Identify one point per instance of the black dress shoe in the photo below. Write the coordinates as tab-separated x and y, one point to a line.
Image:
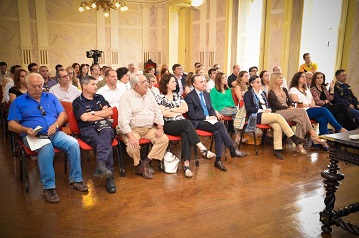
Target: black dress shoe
110	185
239	154
278	154
219	165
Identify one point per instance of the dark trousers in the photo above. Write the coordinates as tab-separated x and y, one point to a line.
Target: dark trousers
186	130
102	142
342	115
220	135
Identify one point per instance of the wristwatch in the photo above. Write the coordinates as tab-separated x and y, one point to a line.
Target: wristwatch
57	126
93	112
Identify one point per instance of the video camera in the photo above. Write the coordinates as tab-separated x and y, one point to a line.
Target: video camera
95	54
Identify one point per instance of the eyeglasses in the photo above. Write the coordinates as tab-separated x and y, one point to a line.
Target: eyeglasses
70	72
42	110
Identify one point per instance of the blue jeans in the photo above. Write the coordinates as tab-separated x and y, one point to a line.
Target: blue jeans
323	116
46	154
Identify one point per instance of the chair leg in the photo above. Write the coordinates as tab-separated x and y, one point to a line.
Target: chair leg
121	165
65	163
196	161
255	142
25	173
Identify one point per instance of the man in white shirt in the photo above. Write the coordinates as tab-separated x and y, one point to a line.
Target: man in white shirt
212	75
64	90
111	91
3	72
139	116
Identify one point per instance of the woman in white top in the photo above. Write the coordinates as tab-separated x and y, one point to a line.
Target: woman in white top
300	94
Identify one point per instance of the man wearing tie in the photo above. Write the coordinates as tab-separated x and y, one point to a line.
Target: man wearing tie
203	117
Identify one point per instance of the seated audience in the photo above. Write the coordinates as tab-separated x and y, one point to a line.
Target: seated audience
111	91
44	72
300	94
64	90
91	110
180	78
241	84
140	116
203	116
259	112
281	103
323	98
123	75
172	107
84	70
20	86
38	108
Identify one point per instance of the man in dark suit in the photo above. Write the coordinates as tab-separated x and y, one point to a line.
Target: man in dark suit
203	117
180	78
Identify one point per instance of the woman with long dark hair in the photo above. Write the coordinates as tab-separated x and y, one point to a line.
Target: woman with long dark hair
20	86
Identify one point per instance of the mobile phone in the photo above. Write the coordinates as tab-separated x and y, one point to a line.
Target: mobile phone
37	129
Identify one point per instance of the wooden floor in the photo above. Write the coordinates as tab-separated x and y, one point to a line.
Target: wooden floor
259	196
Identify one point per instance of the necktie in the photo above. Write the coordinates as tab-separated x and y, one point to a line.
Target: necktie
204	107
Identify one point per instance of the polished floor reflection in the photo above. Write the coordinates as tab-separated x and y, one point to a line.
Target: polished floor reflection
259	196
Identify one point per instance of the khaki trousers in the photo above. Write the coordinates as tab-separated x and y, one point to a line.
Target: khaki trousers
279	125
159	144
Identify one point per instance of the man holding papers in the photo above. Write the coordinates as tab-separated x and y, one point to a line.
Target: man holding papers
37	108
203	117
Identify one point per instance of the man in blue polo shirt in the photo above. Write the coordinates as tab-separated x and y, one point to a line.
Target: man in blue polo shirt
91	111
38	108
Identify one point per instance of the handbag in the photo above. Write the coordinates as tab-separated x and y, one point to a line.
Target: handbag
170	162
240	118
229	111
101	124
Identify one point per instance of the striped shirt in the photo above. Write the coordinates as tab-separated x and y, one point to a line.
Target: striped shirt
138	111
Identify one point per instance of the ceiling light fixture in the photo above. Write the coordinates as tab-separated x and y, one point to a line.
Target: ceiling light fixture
105	5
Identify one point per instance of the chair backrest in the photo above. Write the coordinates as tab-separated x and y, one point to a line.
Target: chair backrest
74	127
114	117
234	96
68	107
241	103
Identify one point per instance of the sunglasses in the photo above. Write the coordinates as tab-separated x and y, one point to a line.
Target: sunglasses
42	110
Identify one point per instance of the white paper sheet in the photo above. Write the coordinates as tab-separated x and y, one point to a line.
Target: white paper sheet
35	143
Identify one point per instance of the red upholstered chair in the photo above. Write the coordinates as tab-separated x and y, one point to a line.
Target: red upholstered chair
142	141
68	107
75	131
23	152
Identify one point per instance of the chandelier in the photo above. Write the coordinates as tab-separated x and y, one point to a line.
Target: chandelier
105	5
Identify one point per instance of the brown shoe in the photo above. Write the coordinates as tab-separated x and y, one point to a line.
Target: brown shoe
80	186
51	195
143	171
220	166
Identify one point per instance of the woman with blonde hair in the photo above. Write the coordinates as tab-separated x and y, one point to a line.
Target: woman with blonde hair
241	84
73	77
281	103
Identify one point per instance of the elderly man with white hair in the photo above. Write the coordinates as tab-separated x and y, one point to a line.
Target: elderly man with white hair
140	117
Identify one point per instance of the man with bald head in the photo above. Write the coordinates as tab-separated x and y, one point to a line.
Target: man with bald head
38	108
233	77
140	116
